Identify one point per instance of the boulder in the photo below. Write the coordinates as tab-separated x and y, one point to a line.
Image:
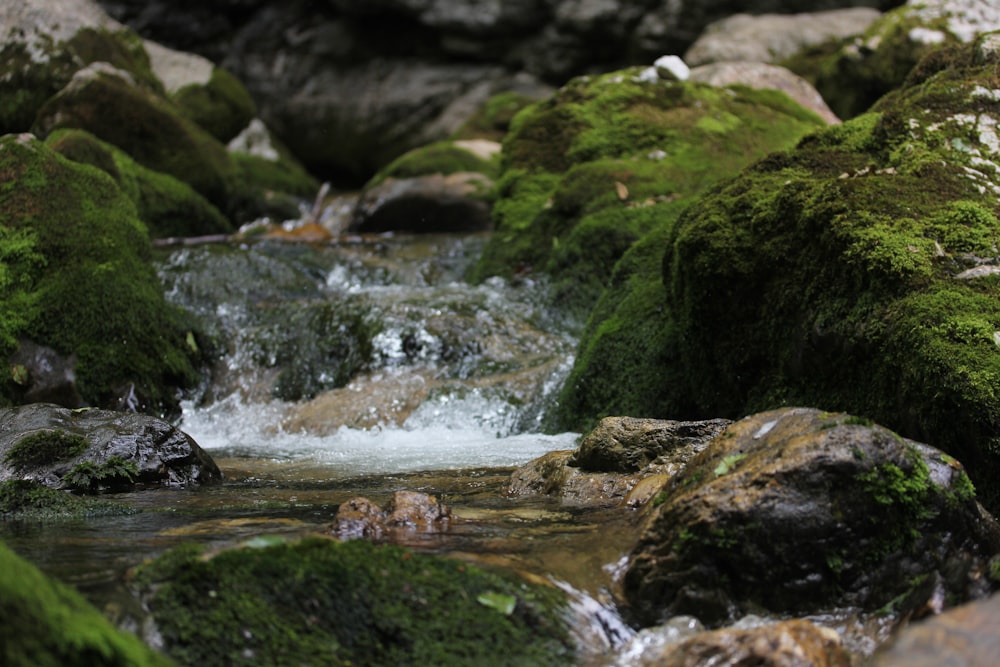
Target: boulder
799	511
609	158
80	283
771	38
425	204
347	603
406	512
834	274
92	450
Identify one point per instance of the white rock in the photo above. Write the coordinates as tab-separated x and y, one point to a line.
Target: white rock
671	68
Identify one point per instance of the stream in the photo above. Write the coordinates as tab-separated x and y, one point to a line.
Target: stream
358	368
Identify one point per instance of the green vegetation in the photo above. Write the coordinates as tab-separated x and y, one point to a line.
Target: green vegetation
48	624
84	284
222	106
25	499
115	474
318	601
46	447
493	120
443	157
169	207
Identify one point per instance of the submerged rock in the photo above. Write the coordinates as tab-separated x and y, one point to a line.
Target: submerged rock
348	603
98	450
406	511
797	511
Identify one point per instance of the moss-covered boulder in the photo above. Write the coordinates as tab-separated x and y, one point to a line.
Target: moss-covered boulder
854	74
42	44
48	624
75	275
799	511
168	206
856	272
208	95
317	601
608	158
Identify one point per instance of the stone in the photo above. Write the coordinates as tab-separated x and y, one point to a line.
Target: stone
771	38
406	513
763	76
92	450
425	204
798	511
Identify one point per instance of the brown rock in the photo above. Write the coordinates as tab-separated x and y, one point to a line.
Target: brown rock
793	643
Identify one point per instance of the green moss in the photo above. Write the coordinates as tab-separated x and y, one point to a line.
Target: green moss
318	601
222	106
45	447
169	207
443	157
115	474
586	173
25	499
48	624
96	295
493	120
20	261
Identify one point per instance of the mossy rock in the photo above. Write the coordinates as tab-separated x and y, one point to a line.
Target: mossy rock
798	511
22	499
589	171
492	121
442	157
853	273
106	103
317	601
169	207
34	66
49	624
75	275
853	75
221	106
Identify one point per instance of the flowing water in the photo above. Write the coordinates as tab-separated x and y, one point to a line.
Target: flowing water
359	368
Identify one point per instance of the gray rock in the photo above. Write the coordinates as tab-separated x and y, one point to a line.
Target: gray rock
96	450
425	204
769	38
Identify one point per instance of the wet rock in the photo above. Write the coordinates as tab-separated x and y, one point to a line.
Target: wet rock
964	637
44	376
770	38
798	510
98	450
763	77
613	459
406	512
795	643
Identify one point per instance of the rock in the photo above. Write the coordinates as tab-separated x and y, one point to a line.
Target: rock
49	623
795	643
964	636
868	311
614	459
672	68
101	302
611	157
93	450
425	204
44	375
864	69
771	38
406	512
348	603
208	95
763	77
800	511
168	206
